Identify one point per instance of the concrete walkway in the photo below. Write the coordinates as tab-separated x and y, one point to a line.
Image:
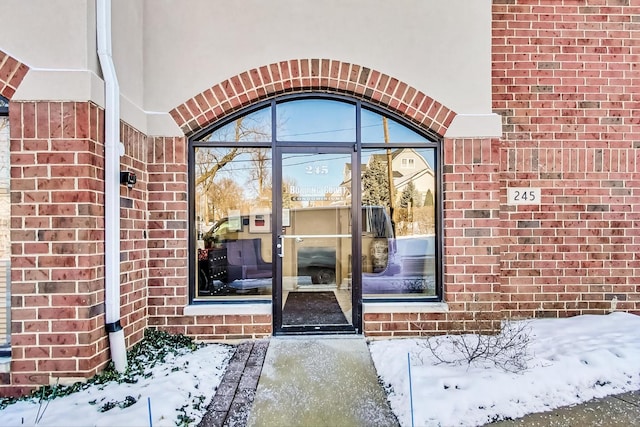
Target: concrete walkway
621	410
331	381
319	381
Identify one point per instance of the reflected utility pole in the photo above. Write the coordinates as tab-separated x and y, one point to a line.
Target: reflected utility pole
392	202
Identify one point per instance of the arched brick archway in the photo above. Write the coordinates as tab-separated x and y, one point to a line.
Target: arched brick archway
300	75
472	160
11	74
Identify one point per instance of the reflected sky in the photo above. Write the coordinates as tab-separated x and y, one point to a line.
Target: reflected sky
314	120
373	129
253	127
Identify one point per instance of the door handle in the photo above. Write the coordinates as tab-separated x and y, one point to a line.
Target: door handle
280	246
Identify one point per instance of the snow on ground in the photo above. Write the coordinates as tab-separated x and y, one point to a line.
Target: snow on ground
569	361
174	388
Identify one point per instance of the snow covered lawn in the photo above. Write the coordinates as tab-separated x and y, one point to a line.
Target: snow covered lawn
177	391
569	361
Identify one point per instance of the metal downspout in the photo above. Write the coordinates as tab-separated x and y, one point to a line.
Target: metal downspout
111	187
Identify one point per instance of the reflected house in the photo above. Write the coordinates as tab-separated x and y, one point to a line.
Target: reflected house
408	166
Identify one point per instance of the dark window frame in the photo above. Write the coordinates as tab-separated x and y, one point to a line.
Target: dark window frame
435	141
5	349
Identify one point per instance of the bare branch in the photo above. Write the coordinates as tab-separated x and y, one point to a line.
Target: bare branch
507	350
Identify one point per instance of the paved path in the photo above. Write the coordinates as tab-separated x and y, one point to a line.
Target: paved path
621	410
319	381
232	401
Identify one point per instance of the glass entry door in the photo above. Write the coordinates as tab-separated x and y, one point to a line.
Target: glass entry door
314	242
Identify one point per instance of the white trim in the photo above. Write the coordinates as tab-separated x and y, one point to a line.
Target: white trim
61	85
84	85
475	126
368	307
405	307
162	124
5	364
213	309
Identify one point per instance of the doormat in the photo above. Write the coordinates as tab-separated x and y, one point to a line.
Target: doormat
312	308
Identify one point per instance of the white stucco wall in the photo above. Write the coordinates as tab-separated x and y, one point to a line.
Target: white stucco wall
167	51
441	47
47	34
128	57
56	39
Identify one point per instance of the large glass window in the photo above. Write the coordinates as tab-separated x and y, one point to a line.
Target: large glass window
400	240
232	177
232	198
5	219
233	214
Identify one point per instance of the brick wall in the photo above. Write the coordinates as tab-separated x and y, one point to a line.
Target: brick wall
472	231
11	74
57	273
167	239
565	79
57	242
133	234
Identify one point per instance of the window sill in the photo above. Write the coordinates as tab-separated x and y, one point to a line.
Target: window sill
5	364
225	309
405	307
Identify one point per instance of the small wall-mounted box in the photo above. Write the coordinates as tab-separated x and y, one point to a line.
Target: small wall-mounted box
128	178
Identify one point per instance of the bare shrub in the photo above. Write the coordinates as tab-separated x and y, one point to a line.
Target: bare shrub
507	350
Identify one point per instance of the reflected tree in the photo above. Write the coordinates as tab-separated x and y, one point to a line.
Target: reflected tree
428	198
375	185
410	197
251	131
261	172
224	194
408	205
210	161
287	195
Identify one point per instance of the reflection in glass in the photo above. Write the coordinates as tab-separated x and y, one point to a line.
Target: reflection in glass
233	218
316	120
233	207
373	129
316	240
253	127
398	239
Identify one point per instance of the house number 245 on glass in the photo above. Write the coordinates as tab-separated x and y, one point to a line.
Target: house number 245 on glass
317	169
